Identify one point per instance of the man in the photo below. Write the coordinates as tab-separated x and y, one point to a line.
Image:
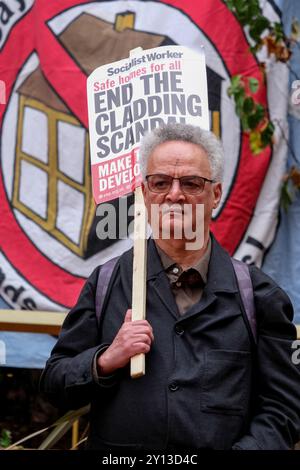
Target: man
207	384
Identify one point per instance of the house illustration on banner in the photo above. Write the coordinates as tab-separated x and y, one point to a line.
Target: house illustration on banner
52	148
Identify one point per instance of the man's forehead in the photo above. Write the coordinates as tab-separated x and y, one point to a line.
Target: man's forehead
178	153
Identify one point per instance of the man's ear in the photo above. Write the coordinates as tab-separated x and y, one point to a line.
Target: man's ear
217	188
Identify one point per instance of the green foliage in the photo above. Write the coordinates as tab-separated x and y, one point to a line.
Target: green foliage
5	438
286	197
252	114
58	429
253	84
248	13
62	425
256	116
267	133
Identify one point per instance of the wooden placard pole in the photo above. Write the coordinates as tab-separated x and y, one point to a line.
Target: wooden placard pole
137	363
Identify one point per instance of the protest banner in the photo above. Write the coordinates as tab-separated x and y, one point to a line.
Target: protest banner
45	189
126	99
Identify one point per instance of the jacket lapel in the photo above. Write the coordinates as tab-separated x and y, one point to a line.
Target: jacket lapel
220	279
156	278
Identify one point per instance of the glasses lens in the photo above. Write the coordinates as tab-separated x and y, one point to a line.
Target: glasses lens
159	183
192	184
163	183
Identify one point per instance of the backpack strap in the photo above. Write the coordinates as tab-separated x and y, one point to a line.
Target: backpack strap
105	274
246	291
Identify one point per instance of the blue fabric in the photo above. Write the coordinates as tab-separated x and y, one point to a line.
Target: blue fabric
283	260
280	3
32	351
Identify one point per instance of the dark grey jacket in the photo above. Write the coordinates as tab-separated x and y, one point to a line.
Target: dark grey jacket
207	386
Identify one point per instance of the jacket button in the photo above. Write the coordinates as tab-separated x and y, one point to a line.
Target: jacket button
179	330
173	387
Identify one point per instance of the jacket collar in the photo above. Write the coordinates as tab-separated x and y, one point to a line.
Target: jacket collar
154	264
221	276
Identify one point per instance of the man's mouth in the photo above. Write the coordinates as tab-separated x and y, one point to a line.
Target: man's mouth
173	209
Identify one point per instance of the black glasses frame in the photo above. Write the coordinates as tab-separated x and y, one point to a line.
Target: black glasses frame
180	180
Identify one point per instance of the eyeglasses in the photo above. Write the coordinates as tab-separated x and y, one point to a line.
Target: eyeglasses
162	184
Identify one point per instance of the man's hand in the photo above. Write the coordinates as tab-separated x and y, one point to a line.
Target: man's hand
134	337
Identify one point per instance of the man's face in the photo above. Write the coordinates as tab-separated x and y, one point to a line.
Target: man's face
177	159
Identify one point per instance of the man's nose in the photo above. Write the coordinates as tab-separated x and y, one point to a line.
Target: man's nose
175	193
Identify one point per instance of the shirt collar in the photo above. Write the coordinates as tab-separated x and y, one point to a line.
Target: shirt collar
201	266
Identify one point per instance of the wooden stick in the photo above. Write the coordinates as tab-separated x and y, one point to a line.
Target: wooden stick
137	363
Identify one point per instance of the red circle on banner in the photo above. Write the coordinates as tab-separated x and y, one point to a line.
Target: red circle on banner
231	224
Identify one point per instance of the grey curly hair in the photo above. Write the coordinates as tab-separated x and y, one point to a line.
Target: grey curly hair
187	133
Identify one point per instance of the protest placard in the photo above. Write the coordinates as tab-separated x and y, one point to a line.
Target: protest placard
129	97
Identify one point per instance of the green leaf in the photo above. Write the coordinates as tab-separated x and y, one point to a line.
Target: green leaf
248	105
245	123
254	49
5	438
230	4
59	431
253	84
236	89
255	118
258	27
62	425
244	16
239	5
286	198
278	31
267	133
255	142
260	109
26	438
254	8
235	80
73	415
239	102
